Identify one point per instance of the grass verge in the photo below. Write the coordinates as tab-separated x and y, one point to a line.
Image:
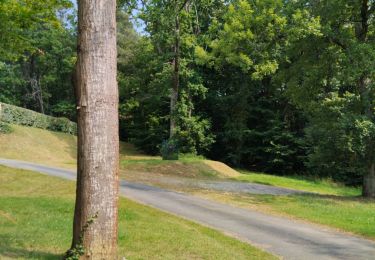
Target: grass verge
36	219
350	214
299	183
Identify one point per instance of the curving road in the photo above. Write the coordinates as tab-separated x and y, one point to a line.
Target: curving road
284	237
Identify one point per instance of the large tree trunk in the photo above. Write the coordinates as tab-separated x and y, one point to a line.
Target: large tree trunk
98	140
369	182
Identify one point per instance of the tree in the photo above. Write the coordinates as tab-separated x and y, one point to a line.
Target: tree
19	16
149	77
331	77
96	209
36	54
255	124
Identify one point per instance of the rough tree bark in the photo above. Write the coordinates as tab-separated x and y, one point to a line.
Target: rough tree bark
98	140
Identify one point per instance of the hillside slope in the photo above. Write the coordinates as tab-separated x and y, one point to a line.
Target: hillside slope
59	149
38	145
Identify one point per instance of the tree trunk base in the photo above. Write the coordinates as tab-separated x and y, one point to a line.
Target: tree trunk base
369	183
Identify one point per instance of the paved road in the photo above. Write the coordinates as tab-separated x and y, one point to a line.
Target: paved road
286	238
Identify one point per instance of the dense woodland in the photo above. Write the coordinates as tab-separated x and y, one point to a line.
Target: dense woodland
285	87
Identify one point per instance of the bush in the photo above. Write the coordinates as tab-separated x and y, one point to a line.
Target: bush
5	128
21	116
169	150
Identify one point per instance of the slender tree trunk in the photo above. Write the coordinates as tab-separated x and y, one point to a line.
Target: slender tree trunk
36	88
98	140
40	95
176	72
368	189
369	182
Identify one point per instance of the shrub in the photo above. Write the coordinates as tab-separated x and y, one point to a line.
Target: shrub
169	150
21	116
5	128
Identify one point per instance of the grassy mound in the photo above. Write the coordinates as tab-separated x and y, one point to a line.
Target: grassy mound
59	149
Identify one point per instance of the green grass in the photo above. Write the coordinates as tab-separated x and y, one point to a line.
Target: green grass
350	214
36	222
300	183
334	205
40	146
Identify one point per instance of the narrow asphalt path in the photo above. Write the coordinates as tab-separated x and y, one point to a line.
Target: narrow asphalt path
284	237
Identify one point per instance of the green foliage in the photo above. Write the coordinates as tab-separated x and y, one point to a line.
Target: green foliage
147	80
255	34
5	128
255	127
38	76
64	109
254	123
19	16
20	116
341	140
331	79
169	150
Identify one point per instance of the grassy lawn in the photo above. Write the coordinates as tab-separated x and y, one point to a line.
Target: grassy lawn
36	219
350	214
299	183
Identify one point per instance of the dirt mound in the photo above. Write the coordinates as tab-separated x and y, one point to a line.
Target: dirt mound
222	168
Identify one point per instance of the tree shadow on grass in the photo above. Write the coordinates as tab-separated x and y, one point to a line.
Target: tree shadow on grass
8	251
71	143
17	253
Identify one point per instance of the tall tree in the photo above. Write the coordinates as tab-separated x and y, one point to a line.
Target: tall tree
33	34
254	123
331	76
96	210
19	16
165	57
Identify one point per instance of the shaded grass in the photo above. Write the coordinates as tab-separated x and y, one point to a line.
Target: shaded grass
36	214
300	183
